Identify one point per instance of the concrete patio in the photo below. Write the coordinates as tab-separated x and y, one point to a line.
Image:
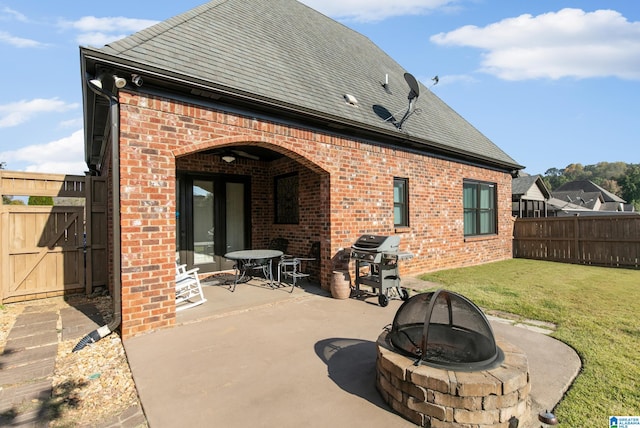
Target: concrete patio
269	358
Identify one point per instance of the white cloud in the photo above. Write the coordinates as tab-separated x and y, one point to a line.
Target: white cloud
64	156
72	168
14	114
98	39
72	123
375	10
100	31
10	14
567	43
18	42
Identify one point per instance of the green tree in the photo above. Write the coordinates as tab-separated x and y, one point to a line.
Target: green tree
575	171
630	185
6	200
40	200
607	170
611	185
554	178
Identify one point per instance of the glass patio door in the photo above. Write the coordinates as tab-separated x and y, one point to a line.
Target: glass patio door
235	217
211	220
203	199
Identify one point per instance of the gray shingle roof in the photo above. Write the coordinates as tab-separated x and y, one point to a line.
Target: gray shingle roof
285	53
520	185
588	186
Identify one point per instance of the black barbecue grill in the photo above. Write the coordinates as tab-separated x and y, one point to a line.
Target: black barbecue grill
376	258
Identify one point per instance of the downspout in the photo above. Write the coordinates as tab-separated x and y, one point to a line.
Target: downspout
114	113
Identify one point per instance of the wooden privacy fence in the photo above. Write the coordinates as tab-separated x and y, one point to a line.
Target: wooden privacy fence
595	240
52	250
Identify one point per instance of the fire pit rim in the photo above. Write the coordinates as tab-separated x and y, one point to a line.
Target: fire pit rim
495	354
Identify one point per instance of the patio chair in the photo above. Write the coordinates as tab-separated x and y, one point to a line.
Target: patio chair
281	244
290	267
188	288
294	267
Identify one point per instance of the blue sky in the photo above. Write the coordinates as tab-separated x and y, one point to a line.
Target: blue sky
551	82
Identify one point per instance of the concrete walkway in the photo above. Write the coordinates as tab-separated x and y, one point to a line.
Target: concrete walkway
301	359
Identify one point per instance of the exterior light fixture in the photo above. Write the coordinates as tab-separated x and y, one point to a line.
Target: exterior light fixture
120	82
228	158
97	82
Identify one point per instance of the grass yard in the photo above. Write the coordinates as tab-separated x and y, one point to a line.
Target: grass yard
597	312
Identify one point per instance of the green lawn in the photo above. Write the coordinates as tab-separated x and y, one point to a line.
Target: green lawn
597	312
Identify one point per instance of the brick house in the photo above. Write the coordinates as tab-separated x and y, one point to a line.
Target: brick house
239	122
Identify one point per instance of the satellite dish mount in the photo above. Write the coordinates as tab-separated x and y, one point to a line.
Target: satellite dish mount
414	92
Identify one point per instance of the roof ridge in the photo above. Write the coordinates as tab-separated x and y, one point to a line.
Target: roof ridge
149	33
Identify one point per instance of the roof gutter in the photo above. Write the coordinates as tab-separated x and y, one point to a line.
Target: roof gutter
114	115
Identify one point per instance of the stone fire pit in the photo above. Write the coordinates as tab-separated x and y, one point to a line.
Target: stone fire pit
437	397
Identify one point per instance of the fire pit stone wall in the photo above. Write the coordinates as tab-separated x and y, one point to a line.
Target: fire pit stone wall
434	397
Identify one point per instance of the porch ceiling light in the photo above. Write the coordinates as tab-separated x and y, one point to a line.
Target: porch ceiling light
228	158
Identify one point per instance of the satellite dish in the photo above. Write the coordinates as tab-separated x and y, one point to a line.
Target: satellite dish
384	114
413	85
414	92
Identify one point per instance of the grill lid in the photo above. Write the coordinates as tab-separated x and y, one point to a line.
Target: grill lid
445	330
378	243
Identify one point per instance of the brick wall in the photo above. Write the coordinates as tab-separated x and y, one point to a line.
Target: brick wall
346	191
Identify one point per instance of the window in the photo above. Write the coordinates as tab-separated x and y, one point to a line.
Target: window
286	199
479	201
400	202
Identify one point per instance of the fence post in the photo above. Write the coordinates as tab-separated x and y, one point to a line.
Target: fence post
88	218
576	237
4	250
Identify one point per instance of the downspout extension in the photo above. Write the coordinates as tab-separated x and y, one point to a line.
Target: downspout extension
114	113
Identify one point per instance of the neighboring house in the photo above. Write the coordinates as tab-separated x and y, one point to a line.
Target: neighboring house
530	196
585	197
238	122
562	207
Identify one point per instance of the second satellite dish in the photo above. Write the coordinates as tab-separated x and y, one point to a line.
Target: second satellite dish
413	85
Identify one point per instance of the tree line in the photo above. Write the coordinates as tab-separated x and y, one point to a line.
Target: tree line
619	178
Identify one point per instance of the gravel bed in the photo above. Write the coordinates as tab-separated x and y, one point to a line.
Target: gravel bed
91	386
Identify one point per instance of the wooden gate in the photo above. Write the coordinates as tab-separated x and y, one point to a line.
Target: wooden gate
46	251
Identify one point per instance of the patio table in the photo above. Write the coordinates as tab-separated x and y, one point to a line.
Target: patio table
249	260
